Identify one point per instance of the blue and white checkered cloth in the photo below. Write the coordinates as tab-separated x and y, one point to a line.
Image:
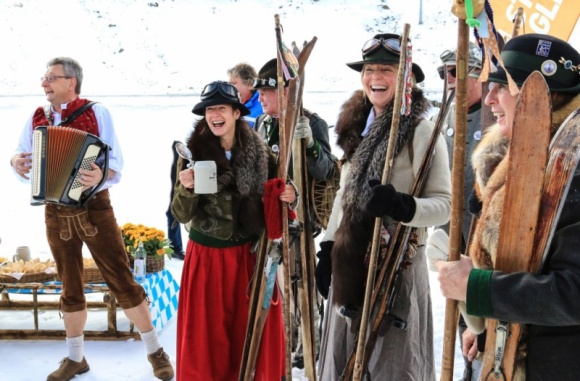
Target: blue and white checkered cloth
163	293
161	287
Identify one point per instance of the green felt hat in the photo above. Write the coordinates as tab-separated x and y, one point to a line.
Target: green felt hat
557	60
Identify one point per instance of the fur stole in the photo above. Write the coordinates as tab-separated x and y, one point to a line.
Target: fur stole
490	162
244	175
367	157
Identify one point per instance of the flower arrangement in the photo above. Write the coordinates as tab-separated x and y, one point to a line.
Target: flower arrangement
154	241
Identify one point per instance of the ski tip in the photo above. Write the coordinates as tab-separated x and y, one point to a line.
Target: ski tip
536	81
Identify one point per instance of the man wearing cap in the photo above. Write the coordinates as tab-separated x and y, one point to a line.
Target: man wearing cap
545	303
314	131
447	72
310	127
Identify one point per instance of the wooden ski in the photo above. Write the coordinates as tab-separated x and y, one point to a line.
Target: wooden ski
306	250
289	112
564	158
305	273
527	159
258	306
256	314
518	22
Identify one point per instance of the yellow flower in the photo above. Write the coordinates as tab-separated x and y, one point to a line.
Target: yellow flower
154	241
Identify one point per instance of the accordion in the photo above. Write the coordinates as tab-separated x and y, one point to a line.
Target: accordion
58	153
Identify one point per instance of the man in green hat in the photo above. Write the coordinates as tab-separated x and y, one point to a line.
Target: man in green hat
551	346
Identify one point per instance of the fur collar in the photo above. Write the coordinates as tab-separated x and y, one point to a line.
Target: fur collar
247	171
367	157
351	122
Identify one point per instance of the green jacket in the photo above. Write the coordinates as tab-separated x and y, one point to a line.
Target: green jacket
235	214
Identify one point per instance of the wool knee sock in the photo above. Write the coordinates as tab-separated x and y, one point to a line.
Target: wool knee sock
151	341
75	347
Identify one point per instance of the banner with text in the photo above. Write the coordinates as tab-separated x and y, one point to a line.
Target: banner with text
554	17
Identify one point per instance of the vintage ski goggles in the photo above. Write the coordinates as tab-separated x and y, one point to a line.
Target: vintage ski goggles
391	44
226	89
264	82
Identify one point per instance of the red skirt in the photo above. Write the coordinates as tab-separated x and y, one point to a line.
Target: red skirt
213	313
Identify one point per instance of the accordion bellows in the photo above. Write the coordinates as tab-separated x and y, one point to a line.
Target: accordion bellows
58	153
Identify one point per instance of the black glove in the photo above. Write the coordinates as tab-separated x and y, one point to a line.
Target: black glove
385	200
323	272
473	204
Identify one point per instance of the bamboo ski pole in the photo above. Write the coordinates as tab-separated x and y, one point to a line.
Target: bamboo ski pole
361	342
457	184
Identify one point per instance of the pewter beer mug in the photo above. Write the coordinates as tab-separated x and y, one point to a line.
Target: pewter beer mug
205	177
22	253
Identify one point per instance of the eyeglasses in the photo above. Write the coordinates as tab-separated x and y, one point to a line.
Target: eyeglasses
452	72
264	82
224	88
52	78
392	44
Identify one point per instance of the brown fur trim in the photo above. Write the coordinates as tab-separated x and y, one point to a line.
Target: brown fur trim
351	122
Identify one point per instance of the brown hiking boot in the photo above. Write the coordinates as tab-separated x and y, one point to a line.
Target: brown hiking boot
68	369
162	368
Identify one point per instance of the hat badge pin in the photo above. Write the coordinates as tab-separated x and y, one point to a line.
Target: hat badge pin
549	68
543	48
568	65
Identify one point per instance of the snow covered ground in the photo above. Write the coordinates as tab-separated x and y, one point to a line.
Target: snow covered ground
147	62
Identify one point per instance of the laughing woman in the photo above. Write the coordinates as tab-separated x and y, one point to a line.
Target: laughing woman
213	300
363	129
